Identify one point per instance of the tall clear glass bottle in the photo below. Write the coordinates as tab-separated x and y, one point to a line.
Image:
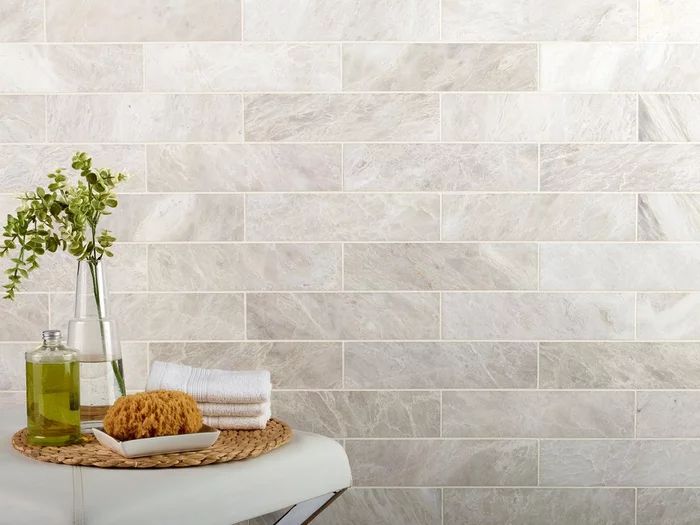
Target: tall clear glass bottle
53	392
94	335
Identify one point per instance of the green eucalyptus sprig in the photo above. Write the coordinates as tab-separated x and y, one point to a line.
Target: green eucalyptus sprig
63	215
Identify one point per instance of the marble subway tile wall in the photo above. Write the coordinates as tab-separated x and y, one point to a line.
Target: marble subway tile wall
462	234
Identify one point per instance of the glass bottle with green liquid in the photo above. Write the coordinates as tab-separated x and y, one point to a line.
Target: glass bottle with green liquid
53	392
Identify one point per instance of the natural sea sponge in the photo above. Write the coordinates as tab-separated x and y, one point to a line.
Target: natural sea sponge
151	414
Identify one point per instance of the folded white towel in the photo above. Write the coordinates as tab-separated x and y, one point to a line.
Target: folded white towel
234	409
240	423
211	385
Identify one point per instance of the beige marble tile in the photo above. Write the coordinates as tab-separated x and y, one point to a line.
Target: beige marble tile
433	266
242	67
178	217
107	21
26	166
579	66
24	318
439	67
135	359
22	118
669	20
360	414
440	167
441	365
342	217
535	506
405	506
620	167
668	315
539	20
144	118
22	21
341	20
669	217
619	365
244	167
619	463
342	117
12	399
39	68
541	117
291	365
12	373
537	414
219	267
667	506
342	315
533	316
669	118
668	414
648	266
538	217
434	462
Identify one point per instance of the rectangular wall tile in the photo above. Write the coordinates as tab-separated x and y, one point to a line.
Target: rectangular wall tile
618	266
22	21
242	67
144	118
26	166
535	316
341	20
440	167
342	316
669	217
24	318
22	118
12	375
669	20
39	68
218	267
537	414
244	167
291	365
178	217
534	506
669	118
433	462
538	217
577	66
347	217
668	315
619	365
439	67
620	167
441	365
539	117
615	463
104	20
342	117
539	20
361	414
428	266
667	506
668	414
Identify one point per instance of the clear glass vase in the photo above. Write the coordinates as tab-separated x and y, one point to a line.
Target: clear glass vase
94	335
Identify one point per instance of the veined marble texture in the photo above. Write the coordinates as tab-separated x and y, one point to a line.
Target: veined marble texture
668	315
39	68
439	67
541	117
669	217
440	167
24	318
668	414
669	20
22	20
620	167
349	117
242	67
538	20
669	118
22	118
668	506
144	118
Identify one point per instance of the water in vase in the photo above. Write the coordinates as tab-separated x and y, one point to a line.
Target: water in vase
98	388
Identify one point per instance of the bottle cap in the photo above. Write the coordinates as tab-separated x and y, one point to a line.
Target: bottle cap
51	335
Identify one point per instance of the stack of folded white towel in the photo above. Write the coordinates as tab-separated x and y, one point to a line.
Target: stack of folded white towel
227	399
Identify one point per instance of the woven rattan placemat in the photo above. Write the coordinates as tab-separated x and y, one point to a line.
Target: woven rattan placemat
232	445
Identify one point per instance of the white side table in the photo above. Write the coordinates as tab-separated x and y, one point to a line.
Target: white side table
309	472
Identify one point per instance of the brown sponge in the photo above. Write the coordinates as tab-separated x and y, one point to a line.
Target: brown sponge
151	414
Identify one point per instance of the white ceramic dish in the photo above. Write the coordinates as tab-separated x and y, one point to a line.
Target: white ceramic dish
136	448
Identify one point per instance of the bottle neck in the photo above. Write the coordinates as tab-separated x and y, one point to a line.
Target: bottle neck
90	291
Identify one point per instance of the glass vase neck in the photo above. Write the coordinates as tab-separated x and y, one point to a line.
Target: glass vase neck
91	291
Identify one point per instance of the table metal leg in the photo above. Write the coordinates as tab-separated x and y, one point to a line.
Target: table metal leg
306	511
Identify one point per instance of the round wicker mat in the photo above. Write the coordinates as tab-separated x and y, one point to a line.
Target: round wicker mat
232	445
